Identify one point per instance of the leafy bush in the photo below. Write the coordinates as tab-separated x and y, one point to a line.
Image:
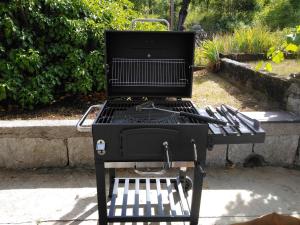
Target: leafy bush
49	48
278	14
221	16
226	16
291	44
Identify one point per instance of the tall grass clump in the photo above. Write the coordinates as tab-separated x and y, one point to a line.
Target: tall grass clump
208	55
257	39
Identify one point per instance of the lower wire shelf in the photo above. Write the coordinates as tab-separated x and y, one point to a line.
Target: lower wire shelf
148	200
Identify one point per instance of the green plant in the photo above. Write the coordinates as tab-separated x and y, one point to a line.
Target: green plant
50	48
209	54
291	44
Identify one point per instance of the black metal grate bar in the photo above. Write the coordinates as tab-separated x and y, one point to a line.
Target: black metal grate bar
185	206
125	197
136	198
148	219
148	201
159	198
171	199
113	198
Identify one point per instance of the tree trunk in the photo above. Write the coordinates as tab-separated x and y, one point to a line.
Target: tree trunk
182	14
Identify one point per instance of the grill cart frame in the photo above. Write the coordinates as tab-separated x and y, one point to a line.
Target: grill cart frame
156	66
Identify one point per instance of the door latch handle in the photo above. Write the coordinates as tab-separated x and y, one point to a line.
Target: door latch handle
168	163
195	150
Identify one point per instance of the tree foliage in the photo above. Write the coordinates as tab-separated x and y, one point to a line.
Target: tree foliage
227	15
53	47
278	14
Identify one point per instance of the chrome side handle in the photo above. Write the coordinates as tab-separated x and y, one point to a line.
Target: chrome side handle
80	126
166	165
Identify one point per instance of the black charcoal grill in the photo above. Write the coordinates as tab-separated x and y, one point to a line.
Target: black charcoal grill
146	123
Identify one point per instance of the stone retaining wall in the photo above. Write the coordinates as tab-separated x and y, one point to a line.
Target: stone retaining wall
246	57
56	143
283	90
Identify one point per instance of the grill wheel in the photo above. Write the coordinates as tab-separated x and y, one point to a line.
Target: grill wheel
187	183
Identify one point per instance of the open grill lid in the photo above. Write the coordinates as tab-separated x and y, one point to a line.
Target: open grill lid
149	63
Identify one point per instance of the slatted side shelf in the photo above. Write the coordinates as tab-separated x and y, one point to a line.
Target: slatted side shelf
148	200
233	135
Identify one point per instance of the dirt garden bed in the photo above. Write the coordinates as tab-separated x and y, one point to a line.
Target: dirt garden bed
280	88
284	69
208	89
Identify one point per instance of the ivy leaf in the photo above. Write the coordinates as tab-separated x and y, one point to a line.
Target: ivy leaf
291	48
259	65
278	57
268	67
270	51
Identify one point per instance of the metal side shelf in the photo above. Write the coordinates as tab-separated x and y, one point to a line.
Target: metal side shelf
148	200
243	134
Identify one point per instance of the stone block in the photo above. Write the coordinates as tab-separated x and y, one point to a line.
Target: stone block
216	157
32	153
238	153
41	129
81	151
293	104
279	150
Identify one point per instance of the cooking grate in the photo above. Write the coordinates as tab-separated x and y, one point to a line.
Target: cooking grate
148	72
124	112
148	116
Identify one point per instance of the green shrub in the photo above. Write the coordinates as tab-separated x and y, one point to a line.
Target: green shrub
221	16
278	14
49	48
291	44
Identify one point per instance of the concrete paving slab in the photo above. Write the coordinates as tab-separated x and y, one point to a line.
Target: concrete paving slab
68	196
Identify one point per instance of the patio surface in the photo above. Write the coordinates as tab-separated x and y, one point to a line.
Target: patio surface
68	196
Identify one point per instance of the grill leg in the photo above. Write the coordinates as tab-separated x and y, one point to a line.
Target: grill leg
197	191
112	175
101	193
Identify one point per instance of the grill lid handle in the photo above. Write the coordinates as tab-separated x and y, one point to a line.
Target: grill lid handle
150	20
